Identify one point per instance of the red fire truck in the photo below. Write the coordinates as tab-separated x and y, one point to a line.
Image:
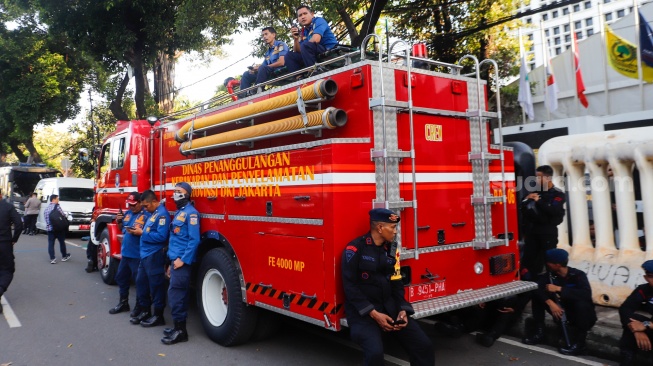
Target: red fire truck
285	178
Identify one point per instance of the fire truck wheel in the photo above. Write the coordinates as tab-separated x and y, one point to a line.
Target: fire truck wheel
108	267
226	318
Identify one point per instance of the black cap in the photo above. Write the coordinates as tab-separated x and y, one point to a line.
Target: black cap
648	266
384	215
557	256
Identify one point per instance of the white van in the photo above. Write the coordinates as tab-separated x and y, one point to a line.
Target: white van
75	199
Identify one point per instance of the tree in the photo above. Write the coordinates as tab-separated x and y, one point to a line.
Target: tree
139	35
40	81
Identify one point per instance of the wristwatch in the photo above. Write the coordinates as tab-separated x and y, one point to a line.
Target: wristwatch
647	324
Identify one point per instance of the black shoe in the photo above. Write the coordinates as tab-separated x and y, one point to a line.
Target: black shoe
145	314
137	310
168	331
485	339
178	334
123	305
536	338
156	319
451	330
576	349
89	266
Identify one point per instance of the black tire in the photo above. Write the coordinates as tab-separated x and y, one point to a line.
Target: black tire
108	273
225	322
267	325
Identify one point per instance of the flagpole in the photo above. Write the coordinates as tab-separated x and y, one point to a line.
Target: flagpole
544	64
640	70
521	57
573	63
605	59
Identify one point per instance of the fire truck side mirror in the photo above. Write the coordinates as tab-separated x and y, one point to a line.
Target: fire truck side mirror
152	120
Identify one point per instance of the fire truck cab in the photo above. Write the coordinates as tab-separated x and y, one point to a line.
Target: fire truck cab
284	179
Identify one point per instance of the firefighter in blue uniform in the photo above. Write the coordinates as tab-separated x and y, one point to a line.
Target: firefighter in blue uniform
638	328
130	251
374	294
184	239
150	281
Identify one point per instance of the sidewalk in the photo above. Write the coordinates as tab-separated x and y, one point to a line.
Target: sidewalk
603	340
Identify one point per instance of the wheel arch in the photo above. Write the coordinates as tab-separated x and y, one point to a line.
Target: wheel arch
213	239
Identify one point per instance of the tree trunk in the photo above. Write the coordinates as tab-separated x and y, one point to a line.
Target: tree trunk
139	80
371	18
116	104
15	148
349	24
36	157
164	82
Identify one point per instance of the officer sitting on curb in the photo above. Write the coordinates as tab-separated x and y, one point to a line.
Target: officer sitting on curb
562	291
638	330
374	294
274	58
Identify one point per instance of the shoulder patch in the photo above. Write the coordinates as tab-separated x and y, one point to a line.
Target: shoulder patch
162	221
349	254
368	241
193	219
181	216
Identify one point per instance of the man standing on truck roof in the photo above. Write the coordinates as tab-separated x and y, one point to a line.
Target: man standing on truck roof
313	38
150	280
182	250
130	251
374	300
8	217
274	59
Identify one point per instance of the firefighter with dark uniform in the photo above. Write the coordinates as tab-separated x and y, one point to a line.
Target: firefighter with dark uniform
374	294
8	217
150	280
543	211
184	239
638	328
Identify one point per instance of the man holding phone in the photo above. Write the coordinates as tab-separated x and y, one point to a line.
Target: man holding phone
313	38
374	294
274	58
130	251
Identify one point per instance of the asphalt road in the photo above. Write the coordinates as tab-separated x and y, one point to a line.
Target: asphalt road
58	315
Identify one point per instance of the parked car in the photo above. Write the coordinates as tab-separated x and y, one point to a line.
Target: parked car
75	198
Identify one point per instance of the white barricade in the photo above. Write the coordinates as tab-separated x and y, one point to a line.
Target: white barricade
613	270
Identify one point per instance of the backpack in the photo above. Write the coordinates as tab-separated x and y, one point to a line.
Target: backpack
58	221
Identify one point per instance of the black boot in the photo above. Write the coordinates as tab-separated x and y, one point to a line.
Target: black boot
123	305
145	314
168	331
89	266
577	348
179	334
537	337
486	339
137	310
154	320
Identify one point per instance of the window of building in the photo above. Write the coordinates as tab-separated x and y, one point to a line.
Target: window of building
588	4
567	47
558	50
532	66
546	32
566	28
590	32
530	37
556	40
608	17
567	38
529	21
531	48
545	17
621	13
606	1
565	11
579	35
588	22
577	24
556	30
554	14
576	8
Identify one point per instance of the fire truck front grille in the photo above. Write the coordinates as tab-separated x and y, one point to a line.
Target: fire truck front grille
502	264
80	218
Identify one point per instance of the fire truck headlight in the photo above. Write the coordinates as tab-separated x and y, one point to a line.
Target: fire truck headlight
478	268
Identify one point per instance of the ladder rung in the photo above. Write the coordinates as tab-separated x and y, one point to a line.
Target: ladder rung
484	114
389	205
487	200
390	154
380	102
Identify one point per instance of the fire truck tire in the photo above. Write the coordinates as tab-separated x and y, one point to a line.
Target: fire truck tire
267	325
108	273
225	322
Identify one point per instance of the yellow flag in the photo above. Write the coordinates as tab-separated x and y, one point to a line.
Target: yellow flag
622	56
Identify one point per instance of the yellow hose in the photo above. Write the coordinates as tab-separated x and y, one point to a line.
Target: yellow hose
320	89
330	118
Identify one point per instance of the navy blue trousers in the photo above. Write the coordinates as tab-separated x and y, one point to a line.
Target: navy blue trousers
127	271
307	57
367	333
58	235
178	292
150	281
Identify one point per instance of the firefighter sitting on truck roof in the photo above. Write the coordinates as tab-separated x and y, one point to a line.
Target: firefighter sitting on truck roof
184	239
274	58
315	37
374	298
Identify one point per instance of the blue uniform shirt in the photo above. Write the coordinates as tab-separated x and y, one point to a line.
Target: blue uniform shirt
278	49
155	233
321	27
185	236
131	243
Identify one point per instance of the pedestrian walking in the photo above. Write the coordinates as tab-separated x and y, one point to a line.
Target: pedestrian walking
8	217
56	225
32	208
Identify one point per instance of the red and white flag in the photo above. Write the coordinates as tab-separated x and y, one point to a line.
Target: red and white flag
580	85
551	99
